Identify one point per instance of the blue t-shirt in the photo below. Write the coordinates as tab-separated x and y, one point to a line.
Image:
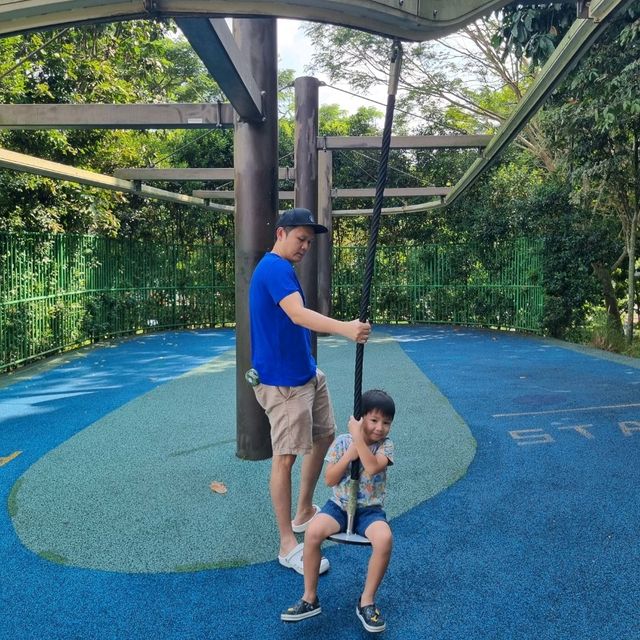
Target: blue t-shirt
280	349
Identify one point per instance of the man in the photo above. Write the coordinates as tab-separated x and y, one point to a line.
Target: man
291	389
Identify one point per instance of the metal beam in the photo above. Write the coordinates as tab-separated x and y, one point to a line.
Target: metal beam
406	19
214	43
600	9
305	159
255	158
116	116
325	240
21	162
339	193
194	174
412	208
391	193
403	142
576	42
210	194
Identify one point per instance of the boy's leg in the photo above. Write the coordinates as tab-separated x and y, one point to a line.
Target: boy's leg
381	538
320	528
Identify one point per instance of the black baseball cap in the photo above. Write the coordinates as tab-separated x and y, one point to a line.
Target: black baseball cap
300	217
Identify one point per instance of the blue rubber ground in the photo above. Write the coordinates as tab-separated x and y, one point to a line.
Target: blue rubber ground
537	540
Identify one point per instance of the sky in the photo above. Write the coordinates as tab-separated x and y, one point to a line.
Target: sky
294	52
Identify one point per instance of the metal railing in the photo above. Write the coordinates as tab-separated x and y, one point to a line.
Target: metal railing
495	286
59	291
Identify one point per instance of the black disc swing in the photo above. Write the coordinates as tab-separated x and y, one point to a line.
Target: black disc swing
349	537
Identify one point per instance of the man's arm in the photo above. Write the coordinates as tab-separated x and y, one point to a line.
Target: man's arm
293	306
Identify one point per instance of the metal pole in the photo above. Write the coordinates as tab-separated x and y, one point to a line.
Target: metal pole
256	186
306	184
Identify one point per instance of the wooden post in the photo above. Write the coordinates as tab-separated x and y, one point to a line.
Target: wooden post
325	244
256	186
306	184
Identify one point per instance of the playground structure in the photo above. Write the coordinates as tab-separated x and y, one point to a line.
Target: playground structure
244	63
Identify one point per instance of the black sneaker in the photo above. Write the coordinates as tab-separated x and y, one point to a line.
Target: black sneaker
371	618
301	610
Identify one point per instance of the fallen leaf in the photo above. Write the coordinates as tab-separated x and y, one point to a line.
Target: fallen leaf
218	487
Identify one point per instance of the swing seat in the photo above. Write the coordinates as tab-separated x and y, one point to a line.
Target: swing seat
349	538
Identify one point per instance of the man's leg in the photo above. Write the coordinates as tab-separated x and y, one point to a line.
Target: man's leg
311	468
280	486
323	431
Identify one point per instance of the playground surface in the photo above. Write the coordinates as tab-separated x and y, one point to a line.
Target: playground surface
513	500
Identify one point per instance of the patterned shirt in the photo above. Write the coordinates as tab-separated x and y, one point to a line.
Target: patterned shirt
372	489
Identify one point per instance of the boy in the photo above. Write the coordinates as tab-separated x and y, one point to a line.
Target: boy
367	440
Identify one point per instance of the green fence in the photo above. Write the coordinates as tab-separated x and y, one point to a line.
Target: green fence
58	291
489	286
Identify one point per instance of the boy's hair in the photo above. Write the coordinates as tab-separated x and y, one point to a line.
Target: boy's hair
380	400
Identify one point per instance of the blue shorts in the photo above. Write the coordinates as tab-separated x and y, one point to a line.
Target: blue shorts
363	518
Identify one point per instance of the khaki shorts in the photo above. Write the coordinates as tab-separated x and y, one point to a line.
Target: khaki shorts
299	416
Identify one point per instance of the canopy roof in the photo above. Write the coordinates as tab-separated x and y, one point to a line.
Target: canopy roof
406	19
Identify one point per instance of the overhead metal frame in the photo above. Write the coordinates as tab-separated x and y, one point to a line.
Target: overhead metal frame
190	175
213	41
343	143
409	208
416	20
408	192
22	15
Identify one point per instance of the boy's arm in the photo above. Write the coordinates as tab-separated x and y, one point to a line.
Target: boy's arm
336	470
294	307
372	463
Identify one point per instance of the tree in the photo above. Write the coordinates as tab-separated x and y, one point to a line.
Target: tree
459	84
596	122
533	32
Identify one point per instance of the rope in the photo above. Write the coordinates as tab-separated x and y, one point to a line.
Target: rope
394	75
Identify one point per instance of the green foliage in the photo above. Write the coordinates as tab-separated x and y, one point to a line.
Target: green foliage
572	242
448	88
600	332
533	32
123	62
595	123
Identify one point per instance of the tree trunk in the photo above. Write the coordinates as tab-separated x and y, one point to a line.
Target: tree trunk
632	281
604	277
633	234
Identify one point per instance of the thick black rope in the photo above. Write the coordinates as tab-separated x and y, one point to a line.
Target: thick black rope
396	63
